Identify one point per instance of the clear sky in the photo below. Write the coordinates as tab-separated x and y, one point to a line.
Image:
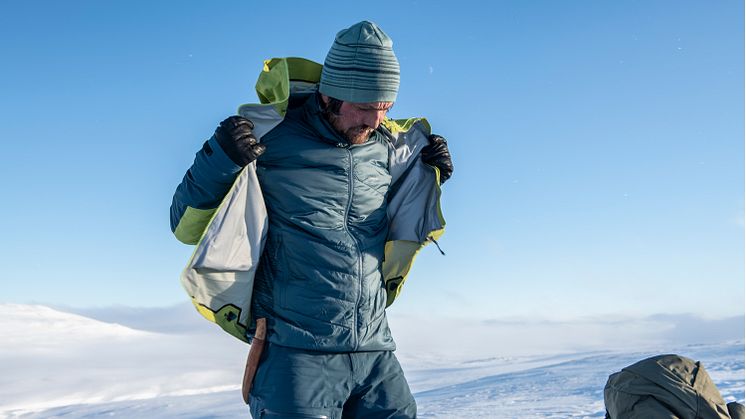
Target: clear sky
598	145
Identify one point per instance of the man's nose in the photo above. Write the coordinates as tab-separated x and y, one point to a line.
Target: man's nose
374	118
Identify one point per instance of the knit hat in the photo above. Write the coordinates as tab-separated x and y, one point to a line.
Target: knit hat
361	66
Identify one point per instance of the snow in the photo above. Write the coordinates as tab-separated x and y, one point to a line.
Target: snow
169	362
51	358
568	386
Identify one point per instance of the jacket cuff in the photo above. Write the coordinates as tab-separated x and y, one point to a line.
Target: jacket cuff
218	161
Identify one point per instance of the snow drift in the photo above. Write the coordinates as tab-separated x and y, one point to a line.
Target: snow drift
168	362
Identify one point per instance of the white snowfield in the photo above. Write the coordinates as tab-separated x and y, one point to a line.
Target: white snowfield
163	363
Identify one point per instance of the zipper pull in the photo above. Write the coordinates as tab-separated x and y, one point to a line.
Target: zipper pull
437	245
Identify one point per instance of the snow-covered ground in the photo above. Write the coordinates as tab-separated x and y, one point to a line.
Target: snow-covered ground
168	362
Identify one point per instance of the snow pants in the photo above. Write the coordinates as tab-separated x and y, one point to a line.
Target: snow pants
294	383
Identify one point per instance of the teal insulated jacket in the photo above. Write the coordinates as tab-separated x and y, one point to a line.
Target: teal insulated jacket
317	235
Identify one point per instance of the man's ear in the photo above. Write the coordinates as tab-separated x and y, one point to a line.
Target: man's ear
325	99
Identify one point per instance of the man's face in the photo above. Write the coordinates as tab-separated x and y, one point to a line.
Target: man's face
356	121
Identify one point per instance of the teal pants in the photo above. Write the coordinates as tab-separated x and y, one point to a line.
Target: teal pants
294	383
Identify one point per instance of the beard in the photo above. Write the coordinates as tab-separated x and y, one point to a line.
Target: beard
355	135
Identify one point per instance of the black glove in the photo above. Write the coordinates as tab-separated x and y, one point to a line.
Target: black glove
236	139
437	154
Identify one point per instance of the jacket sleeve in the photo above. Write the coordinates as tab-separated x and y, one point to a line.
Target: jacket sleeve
201	191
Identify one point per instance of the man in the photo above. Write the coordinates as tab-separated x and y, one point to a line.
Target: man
338	188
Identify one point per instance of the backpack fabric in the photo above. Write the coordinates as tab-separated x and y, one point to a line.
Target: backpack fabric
664	386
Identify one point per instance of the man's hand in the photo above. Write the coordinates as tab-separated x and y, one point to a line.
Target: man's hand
437	154
236	139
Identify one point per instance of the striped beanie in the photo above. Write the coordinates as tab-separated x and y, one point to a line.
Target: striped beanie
361	66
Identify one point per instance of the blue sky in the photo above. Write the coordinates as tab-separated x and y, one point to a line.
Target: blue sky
598	145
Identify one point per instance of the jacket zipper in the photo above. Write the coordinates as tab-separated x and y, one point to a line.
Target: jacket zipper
350	177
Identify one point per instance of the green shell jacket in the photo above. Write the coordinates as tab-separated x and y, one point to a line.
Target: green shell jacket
666	387
317	235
